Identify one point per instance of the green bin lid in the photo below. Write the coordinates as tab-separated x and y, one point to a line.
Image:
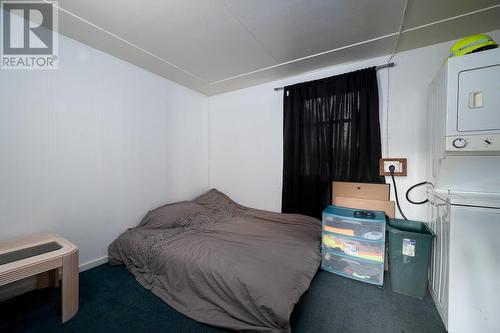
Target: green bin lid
409	227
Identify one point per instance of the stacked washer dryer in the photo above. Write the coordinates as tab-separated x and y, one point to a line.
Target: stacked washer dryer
463	167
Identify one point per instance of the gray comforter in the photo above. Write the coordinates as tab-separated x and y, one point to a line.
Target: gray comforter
221	263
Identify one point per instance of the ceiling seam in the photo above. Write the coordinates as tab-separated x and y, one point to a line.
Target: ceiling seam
451	18
306	57
127	42
355	44
248	31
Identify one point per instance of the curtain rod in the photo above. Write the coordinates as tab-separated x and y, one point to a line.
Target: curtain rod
390	64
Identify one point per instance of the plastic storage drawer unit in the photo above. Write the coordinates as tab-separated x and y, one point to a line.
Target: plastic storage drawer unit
362	249
354	243
354	222
353	268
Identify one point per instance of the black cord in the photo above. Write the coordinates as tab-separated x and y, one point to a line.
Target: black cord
391	169
410	189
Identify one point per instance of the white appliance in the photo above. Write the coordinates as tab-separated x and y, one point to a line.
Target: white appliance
465	99
463	165
465	268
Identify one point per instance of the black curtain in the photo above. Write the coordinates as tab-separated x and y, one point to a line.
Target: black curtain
331	133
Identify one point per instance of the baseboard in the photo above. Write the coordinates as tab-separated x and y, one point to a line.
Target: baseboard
93	263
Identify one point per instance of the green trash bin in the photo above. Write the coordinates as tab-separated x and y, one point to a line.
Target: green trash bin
410	245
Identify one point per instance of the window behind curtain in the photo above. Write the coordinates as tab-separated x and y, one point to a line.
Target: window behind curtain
331	133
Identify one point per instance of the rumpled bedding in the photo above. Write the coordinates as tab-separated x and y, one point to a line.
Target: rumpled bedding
221	263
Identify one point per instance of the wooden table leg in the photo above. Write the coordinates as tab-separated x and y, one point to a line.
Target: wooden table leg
54	278
69	286
48	279
43	280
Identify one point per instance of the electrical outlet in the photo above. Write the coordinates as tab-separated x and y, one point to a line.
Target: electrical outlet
399	164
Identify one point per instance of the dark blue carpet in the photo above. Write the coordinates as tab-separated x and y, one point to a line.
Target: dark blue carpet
112	301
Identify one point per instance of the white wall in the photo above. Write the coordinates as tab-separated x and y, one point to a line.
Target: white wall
246	128
87	149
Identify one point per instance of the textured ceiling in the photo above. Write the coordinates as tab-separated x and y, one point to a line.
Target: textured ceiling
214	46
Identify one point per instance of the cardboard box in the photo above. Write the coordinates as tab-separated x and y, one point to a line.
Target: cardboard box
386	206
361	190
363	196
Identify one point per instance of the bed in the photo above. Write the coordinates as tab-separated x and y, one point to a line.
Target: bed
221	263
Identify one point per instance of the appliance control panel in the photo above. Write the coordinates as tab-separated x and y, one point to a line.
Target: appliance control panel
488	143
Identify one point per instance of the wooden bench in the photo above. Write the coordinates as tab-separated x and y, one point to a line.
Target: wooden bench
37	254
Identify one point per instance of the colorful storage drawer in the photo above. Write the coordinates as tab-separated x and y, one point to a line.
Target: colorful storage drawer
353	268
354	222
354	243
369	250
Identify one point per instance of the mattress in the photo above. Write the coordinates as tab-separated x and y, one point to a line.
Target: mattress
221	263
